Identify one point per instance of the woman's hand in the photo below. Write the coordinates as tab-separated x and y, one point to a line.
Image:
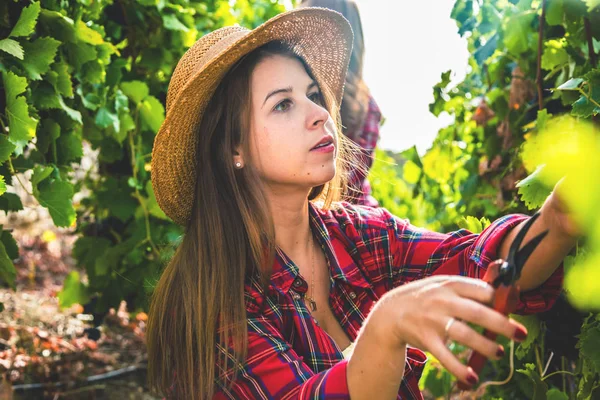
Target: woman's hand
557	214
417	314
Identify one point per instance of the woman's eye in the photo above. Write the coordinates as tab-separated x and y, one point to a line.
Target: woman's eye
316	98
283	106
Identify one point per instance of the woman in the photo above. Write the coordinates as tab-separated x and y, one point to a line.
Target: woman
359	112
274	277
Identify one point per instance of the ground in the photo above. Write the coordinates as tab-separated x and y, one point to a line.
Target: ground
50	353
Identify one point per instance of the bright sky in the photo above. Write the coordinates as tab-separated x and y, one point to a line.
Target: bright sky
409	43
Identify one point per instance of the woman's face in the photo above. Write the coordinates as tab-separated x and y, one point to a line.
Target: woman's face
293	140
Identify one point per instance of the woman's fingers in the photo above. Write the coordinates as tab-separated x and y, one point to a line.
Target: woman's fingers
451	363
488	318
462	333
474	289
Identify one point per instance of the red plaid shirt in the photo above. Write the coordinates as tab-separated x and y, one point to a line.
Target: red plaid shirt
369	252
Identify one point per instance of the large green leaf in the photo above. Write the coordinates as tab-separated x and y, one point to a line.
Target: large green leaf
21	125
533	190
516	32
27	21
135	90
6	148
87	34
12	47
39	55
10	202
10	244
54	194
152	113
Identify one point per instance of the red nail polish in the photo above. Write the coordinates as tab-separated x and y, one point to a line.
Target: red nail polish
472	378
520	334
500	352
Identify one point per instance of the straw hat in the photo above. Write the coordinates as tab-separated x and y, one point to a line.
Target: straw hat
322	37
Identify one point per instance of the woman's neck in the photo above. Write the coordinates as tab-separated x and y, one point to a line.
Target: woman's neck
291	223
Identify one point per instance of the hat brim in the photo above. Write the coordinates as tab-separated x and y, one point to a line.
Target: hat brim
323	38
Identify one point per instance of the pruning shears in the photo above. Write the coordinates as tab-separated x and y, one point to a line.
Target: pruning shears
503	275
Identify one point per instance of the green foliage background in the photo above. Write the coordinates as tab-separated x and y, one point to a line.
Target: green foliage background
524	117
96	71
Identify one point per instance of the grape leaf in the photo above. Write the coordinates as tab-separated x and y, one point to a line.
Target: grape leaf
73	291
2	185
39	55
8	273
27	21
21	125
554	54
555	12
89	249
585	108
171	22
516	31
590	346
152	113
135	90
10	244
87	34
105	118
6	148
10	202
532	324
533	190
49	131
12	47
473	224
540	388
556	394
571	84
54	194
62	82
72	113
69	147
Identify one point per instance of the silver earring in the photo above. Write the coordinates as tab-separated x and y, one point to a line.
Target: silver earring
238	165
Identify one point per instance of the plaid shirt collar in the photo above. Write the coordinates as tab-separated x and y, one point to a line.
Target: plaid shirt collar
328	232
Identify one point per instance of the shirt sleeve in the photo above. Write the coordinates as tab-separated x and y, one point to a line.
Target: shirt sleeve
417	253
273	370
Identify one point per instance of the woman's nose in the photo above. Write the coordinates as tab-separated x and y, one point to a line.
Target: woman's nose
317	115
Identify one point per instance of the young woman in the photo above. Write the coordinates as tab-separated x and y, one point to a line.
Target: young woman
280	291
360	114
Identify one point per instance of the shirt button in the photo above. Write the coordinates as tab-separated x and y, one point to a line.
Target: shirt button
298	282
352	295
295	296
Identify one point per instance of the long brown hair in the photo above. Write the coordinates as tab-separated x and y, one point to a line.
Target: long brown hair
197	331
356	93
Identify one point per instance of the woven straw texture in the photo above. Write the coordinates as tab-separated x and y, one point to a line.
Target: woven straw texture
322	37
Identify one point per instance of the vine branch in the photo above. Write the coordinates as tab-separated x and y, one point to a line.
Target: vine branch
538	78
590	42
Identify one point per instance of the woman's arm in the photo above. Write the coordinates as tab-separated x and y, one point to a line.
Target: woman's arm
562	236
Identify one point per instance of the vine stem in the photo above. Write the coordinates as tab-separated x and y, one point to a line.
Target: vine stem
588	96
12	171
138	195
590	43
538	77
556	373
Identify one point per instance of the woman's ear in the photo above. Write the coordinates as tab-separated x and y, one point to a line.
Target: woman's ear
238	160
